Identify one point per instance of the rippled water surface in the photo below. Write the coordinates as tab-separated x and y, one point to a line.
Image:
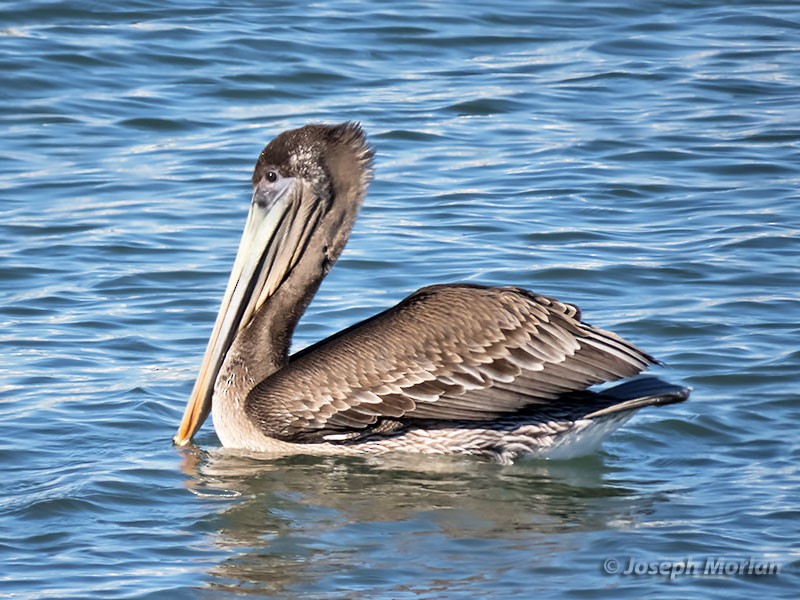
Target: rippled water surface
639	159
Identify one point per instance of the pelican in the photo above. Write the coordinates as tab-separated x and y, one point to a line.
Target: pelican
498	372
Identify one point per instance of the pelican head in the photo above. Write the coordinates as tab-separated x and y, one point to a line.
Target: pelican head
308	185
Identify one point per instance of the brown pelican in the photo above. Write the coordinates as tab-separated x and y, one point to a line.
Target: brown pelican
490	371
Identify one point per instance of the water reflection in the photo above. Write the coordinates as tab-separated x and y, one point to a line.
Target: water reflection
323	523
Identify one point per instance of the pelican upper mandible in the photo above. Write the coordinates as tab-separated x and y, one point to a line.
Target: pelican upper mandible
499	372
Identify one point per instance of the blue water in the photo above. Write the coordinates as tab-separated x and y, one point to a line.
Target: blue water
639	159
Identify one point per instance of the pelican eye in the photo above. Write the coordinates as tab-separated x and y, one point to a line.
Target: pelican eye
272	176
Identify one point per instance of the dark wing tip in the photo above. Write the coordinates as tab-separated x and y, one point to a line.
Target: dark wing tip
641	392
648	386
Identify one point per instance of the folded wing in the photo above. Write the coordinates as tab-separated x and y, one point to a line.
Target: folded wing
449	352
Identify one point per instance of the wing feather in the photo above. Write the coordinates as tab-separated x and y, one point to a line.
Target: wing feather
461	352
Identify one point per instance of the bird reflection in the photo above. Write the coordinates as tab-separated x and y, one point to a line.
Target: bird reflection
314	523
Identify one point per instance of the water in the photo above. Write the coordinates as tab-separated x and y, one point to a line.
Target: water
641	161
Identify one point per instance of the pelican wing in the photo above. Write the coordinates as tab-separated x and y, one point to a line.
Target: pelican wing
448	352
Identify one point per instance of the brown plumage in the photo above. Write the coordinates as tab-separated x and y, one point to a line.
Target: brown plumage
446	352
498	371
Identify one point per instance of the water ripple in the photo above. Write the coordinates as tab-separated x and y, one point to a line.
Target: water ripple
640	161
